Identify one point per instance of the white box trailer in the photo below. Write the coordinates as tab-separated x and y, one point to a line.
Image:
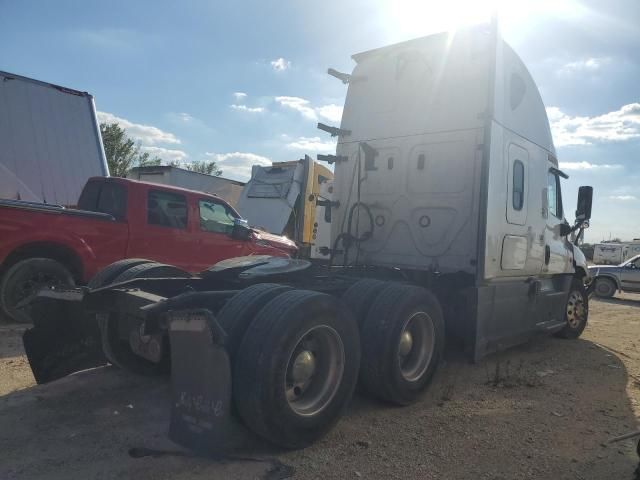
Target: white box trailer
225	188
631	249
608	253
50	141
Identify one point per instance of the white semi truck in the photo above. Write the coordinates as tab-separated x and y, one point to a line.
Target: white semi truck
50	142
447	219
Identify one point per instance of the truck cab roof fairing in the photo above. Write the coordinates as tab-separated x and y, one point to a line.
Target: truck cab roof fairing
518	104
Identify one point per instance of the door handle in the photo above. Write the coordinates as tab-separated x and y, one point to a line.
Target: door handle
547	254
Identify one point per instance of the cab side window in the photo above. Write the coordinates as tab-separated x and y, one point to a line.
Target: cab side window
216	217
166	209
554	195
518	185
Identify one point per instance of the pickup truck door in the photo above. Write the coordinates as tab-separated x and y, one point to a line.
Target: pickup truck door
162	234
214	224
630	276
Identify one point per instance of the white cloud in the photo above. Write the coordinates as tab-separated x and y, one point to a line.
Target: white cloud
280	64
588	166
238	164
185	117
587	65
616	126
166	154
145	134
239	95
298	104
331	112
244	108
624	198
312	144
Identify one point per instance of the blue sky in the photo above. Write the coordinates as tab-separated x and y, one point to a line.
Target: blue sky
245	82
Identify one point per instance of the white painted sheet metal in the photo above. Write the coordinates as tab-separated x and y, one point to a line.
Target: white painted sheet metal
271	195
49	141
225	188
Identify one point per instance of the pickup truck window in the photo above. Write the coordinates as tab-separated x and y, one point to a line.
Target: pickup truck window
89	197
104	197
216	217
554	195
166	209
113	200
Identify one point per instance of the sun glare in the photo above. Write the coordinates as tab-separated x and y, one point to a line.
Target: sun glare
413	18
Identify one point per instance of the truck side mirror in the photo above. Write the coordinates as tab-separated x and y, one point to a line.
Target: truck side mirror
241	229
585	198
565	229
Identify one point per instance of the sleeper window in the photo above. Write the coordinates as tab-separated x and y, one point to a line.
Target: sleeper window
166	209
518	185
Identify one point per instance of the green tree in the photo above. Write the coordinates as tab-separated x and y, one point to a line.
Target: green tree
122	152
209	168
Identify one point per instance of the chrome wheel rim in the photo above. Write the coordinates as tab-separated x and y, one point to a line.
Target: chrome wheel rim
576	309
314	370
415	346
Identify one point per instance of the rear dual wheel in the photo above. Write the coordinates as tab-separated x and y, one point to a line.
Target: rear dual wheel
296	368
403	336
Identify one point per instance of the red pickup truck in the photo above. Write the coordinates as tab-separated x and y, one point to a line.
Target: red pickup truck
119	218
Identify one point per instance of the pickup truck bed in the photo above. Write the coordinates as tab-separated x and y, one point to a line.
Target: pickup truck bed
116	219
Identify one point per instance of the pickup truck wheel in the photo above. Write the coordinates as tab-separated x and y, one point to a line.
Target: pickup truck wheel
296	368
577	311
238	313
24	279
605	287
117	349
359	297
109	273
402	343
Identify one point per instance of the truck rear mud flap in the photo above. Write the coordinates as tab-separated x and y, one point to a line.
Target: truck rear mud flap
201	385
63	340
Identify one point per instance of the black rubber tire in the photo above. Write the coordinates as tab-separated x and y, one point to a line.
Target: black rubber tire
604	287
151	270
380	373
237	314
109	273
262	360
118	351
359	297
24	271
568	331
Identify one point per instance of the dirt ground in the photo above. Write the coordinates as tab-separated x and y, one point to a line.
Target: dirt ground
544	410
